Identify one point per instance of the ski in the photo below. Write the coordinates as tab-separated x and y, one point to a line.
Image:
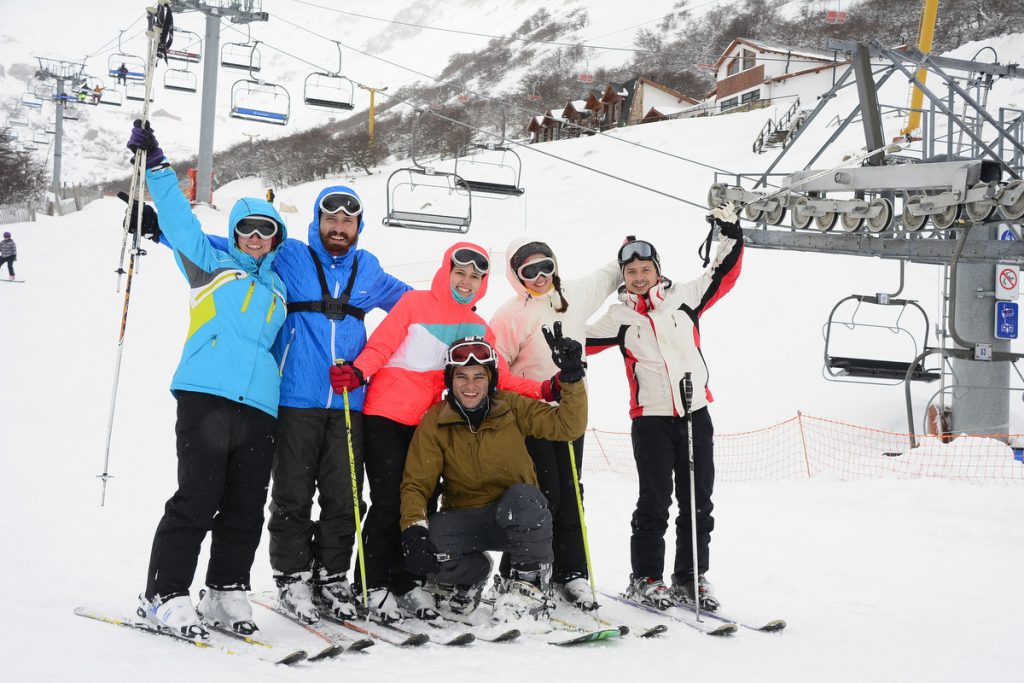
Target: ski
590	637
232	634
770	626
680	615
9	280
143	626
329	652
389	634
483	631
328	633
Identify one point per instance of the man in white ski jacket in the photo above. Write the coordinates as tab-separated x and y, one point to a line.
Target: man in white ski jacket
656	327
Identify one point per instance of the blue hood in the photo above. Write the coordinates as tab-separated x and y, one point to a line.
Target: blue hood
250	206
314	225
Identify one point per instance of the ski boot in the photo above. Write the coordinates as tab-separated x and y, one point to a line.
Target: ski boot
295	597
382	605
650	592
419	602
176	614
332	592
228	608
682	592
576	591
524	594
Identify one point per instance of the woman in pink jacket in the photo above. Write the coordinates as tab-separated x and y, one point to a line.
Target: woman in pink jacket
405	358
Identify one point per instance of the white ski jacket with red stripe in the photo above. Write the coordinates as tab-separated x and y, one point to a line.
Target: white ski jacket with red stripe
659	335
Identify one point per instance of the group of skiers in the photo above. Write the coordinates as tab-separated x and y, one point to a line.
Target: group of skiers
436	403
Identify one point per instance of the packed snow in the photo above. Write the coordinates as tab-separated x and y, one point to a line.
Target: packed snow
882	580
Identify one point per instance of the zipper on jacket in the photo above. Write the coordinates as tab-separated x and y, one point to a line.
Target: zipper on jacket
287	348
248	295
273	305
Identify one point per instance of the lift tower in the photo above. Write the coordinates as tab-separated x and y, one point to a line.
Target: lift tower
62	72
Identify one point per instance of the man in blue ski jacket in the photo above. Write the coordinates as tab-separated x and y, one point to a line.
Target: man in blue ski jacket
331	285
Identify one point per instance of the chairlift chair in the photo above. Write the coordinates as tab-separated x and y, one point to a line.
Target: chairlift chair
136	92
423	198
180	80
112	97
254	100
41	138
71	113
16	120
50	128
482	172
877	370
190	47
28	99
329	89
534	95
242	56
45	91
8	134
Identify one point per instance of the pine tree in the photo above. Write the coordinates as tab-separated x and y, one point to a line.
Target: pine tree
23	178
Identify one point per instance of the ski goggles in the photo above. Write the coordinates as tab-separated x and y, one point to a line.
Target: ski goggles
637	249
465	352
471	257
534	269
261	226
341	201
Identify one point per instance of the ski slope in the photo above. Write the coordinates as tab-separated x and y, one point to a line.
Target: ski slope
880	580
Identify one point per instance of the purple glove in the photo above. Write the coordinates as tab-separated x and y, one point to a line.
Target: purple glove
143	138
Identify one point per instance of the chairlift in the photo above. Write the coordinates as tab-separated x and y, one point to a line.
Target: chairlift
50	128
837	15
136	92
423	198
534	95
181	80
329	90
45	91
135	64
190	50
71	114
112	97
261	101
242	56
463	95
16	120
585	76
491	169
884	334
30	100
41	138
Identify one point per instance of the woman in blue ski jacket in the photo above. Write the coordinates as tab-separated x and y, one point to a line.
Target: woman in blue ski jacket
227	388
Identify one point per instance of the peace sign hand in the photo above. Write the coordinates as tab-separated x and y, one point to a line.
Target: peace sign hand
566	353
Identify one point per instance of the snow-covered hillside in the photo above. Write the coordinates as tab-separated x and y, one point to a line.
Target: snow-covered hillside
897	580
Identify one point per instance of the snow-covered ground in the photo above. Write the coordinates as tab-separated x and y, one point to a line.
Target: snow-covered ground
895	580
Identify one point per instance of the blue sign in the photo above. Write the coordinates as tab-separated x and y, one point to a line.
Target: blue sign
1007	317
1008	235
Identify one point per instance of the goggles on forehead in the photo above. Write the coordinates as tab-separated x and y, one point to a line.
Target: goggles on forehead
534	269
261	226
637	249
465	352
341	201
471	257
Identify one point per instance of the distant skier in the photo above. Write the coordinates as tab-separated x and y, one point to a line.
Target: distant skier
543	297
656	327
270	195
227	387
8	254
122	74
97	93
473	445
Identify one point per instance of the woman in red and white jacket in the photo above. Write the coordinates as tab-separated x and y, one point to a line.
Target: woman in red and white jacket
542	298
656	327
404	361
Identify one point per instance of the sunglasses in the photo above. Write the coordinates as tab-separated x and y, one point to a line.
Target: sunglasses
341	201
638	249
462	353
470	257
534	269
263	227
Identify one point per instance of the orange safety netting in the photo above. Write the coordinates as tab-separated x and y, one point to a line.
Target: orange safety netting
805	446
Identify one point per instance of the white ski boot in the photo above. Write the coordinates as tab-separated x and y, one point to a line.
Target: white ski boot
382	605
177	614
577	592
333	593
420	603
295	597
523	595
464	600
650	592
228	609
682	592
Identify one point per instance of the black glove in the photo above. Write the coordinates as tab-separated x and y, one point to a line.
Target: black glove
150	224
727	220
566	353
142	137
419	551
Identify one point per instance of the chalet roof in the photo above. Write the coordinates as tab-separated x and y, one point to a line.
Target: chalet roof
776	48
664	88
536	123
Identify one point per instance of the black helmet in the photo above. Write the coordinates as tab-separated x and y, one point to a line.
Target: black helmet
638	250
475	350
7	235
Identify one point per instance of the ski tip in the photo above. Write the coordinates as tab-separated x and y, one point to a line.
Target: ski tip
723	630
773	626
415	640
361	644
461	639
327	653
654	631
624	630
293	658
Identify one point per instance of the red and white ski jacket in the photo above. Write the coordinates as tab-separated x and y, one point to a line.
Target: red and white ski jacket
404	357
517	324
659	335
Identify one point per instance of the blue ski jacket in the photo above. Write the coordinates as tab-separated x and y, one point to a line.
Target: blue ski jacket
237	303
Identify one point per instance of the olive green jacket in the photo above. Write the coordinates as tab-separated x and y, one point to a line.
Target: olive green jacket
476	468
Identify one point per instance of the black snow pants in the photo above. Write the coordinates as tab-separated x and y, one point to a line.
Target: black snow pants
9	261
312	455
660	450
225	450
518	523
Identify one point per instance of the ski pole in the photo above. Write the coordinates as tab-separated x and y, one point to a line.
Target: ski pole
583	523
355	498
688	403
157	17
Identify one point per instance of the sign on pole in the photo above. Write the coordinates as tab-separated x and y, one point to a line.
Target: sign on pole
1007	317
1007	281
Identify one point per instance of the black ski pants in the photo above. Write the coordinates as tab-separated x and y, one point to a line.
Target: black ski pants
225	450
660	449
518	523
554	474
312	455
387	443
9	261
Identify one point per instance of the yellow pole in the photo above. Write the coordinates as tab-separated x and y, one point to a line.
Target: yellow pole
373	92
929	12
355	497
